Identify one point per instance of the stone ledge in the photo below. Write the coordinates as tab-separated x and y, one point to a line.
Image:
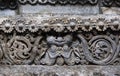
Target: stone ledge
38	70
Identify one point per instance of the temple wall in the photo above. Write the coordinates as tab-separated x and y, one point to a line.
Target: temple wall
59	38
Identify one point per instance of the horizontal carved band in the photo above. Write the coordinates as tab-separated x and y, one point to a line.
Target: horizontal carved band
59	24
13	4
60	40
82	2
59	1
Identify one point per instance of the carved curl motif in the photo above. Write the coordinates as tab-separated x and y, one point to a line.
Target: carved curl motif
101	51
18	51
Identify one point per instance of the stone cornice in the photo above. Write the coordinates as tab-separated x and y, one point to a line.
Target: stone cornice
13	4
82	2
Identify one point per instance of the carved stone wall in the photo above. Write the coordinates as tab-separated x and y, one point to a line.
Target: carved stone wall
59	38
36	42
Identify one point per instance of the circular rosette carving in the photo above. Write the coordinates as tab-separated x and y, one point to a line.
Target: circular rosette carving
101	51
18	51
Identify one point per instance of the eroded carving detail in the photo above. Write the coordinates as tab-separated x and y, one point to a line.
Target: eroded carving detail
102	49
61	50
19	51
61	41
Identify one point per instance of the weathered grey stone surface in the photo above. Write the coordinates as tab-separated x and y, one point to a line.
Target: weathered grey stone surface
110	10
80	44
8	12
60	9
34	70
52	9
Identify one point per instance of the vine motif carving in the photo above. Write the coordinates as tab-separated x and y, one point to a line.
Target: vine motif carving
18	50
102	49
64	49
61	41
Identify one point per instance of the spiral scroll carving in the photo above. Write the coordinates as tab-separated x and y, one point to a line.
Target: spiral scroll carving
61	49
101	51
18	51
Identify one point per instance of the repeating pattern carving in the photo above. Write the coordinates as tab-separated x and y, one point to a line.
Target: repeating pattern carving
107	3
59	24
111	3
11	4
60	41
58	1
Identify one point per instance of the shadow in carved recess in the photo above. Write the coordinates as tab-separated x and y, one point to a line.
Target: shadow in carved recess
50	48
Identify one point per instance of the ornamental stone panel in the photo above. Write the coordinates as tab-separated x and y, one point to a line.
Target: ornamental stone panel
59	38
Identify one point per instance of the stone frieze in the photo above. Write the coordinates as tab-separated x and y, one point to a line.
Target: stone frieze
55	40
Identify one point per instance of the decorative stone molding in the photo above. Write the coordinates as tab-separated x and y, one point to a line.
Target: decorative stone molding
107	3
111	3
67	40
11	4
59	1
60	24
